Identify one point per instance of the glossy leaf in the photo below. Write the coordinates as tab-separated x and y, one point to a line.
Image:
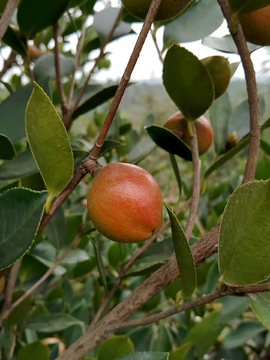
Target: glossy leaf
12	119
220	112
52	322
100	264
187	82
34	350
16	237
104	21
146	356
12	39
44	13
156	253
7	150
241	334
49	143
23	165
114	347
6	185
184	257
199	21
168	141
259	304
243	6
94	101
239	119
244	235
225	44
45	66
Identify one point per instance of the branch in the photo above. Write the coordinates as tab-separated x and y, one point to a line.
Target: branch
196	184
6	313
6	16
254	110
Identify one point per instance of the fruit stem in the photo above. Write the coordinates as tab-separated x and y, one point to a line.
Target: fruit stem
189	127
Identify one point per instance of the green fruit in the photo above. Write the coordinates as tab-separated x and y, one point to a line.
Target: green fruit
168	8
220	71
256	26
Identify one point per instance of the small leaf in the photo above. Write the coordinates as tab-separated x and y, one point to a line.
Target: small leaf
33	351
100	264
20	167
44	13
146	356
114	347
52	322
244	235
49	143
184	257
241	334
45	66
259	304
199	21
7	150
187	82
244	6
181	352
168	141
20	214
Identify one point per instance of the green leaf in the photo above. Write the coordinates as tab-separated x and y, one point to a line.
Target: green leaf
23	165
12	39
56	229
49	143
156	253
20	215
100	264
176	172
225	44
94	101
201	20
115	347
220	112
6	185
244	6
180	353
184	257
162	340
168	141
104	21
232	308
263	168
239	119
141	150
141	337
35	16
259	304
7	150
187	82
45	66
33	351
146	356
241	334
12	110
244	235
52	322
20	312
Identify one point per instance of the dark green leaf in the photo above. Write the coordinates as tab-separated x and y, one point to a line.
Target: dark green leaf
16	237
35	16
52	322
187	82
100	264
158	252
201	20
6	185
114	347
56	229
7	150
180	353
12	110
265	146
141	337
168	141
20	312
259	304
45	66
12	39
232	308
23	165
244	235
184	257
162	340
33	351
146	356
176	172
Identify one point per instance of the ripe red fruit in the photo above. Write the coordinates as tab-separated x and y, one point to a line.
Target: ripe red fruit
178	125
256	26
125	203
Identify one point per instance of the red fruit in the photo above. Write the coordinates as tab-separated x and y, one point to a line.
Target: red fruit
178	125
125	203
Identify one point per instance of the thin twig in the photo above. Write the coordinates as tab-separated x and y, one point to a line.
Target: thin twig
8	63
101	53
196	184
10	287
157	47
30	71
6	16
254	110
6	313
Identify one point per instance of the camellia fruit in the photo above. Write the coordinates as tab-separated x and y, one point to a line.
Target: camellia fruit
256	26
125	203
178	125
220	71
168	8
